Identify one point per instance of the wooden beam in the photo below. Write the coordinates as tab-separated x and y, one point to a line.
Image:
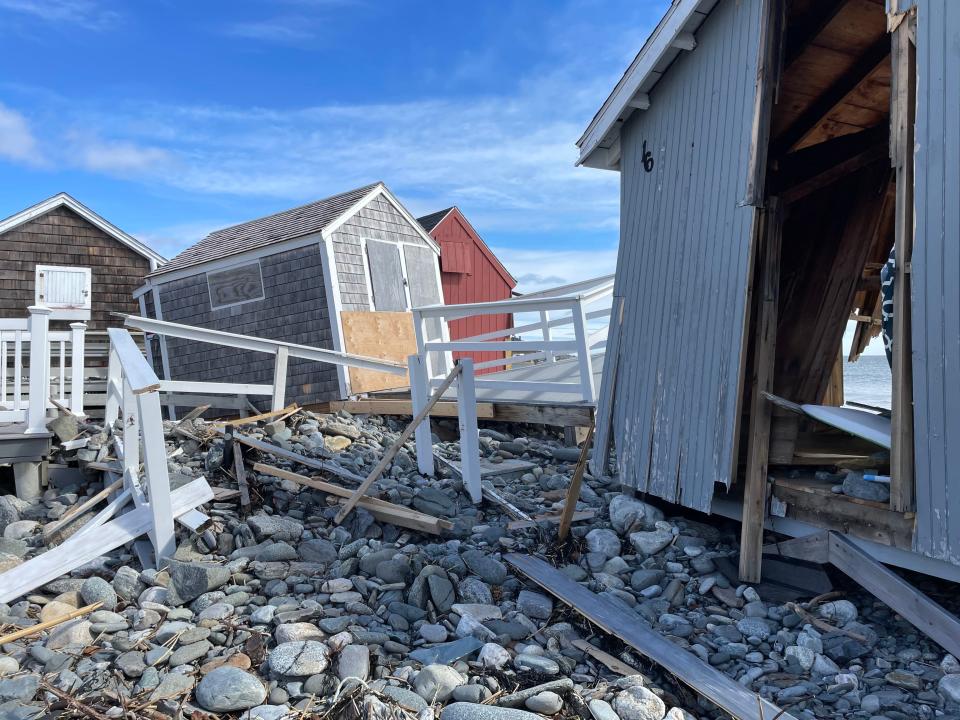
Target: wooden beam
773	16
444	408
834	173
811	548
397	444
805	31
730	696
902	482
277	451
832	96
75	512
764	354
573	492
554	415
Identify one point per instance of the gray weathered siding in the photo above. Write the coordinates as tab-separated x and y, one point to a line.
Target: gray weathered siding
935	273
379	220
683	264
294	309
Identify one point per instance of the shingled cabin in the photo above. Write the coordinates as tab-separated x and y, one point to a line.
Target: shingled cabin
61	254
340	273
470	273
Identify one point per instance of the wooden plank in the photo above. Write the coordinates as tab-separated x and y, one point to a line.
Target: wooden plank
902	481
284	412
47	624
573	492
555	415
444	408
537	519
380	509
812	548
76	551
381	335
612	663
758	446
916	608
309	462
75	512
709	682
241	474
392	451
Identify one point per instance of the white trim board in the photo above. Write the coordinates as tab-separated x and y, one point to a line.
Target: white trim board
683	18
65	200
331	285
381	189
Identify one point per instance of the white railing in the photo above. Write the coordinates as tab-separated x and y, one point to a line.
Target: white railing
571	327
34	369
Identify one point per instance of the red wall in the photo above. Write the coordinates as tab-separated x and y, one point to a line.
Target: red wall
483	284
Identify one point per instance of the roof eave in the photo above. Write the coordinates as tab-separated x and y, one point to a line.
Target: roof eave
599	145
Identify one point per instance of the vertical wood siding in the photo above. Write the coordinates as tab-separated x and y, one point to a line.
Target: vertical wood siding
294	309
936	281
61	237
683	264
483	284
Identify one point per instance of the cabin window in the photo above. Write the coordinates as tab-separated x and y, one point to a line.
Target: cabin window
235	286
387	278
65	290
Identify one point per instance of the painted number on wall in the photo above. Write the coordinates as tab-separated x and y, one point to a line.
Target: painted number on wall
647	158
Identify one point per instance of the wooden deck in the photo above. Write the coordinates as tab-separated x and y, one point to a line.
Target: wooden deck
16	446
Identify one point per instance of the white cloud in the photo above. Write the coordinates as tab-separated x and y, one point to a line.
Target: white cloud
17	141
284	30
543	269
81	13
172	239
117	157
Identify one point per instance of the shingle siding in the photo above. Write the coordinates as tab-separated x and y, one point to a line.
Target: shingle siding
294	309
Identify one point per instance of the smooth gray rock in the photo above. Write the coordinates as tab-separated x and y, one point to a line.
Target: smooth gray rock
601	710
354	662
638	703
434	683
317	550
546	703
274	527
406	699
190	580
473	711
228	688
488	568
627	514
650	542
21	688
855	486
96	589
299	659
535	605
603	541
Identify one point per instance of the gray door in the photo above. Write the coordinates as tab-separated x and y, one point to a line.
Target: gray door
386	276
423	280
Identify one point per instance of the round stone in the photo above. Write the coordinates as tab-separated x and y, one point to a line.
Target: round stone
98	590
545	703
299	659
228	688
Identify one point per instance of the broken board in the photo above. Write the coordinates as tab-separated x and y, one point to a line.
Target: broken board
506	469
381	335
704	679
859	423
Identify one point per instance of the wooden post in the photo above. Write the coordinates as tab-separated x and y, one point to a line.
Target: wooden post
77	368
758	446
39	389
608	386
419	392
573	492
469	433
131	434
903	114
279	378
588	392
547	334
114	389
158	479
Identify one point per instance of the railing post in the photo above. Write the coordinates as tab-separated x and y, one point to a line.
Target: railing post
419	332
131	432
588	391
279	377
419	394
547	334
158	479
77	366
37	326
114	389
469	433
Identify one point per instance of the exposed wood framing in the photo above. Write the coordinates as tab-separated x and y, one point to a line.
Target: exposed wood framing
444	408
803	33
704	679
773	19
573	492
758	446
810	118
916	608
903	111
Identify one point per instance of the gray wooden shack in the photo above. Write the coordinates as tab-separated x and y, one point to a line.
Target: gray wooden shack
290	276
771	156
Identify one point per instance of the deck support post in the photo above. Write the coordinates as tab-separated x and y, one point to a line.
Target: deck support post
77	369
39	389
758	446
419	395
279	378
26	476
469	432
158	478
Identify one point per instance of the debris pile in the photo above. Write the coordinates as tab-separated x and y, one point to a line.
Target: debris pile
275	611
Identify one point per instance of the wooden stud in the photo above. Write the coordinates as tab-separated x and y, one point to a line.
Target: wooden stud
758	447
395	448
573	492
903	113
240	471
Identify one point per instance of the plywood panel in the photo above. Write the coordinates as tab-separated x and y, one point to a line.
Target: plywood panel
383	335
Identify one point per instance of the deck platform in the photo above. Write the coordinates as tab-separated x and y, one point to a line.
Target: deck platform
16	446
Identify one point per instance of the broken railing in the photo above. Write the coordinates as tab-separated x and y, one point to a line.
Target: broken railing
34	369
420	394
569	332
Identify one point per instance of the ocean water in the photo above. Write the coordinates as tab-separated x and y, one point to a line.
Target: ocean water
868	381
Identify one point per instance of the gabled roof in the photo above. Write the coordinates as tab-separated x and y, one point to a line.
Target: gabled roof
286	225
436	219
430	221
64	200
599	145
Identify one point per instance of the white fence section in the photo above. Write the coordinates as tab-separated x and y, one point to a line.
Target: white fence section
571	327
34	369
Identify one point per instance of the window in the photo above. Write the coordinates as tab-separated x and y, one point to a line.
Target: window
65	290
236	285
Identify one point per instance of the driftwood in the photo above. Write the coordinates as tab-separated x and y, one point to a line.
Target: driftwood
47	624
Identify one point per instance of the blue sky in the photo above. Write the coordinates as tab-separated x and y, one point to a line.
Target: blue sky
172	119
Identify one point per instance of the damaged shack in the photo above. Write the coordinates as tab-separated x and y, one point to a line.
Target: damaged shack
774	156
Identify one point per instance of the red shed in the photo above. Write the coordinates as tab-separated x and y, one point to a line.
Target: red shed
469	273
